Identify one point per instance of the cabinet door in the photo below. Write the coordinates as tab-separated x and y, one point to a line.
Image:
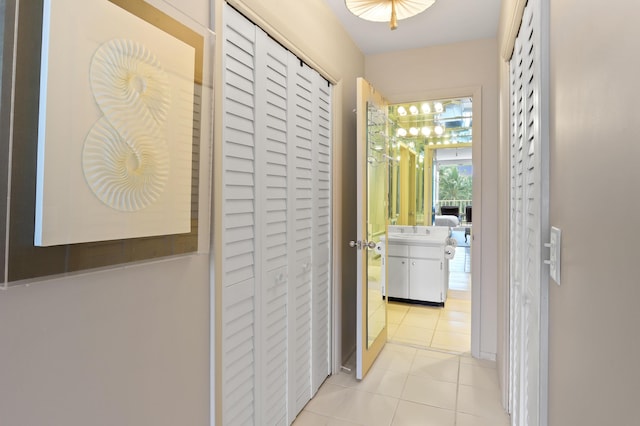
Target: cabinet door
398	276
425	280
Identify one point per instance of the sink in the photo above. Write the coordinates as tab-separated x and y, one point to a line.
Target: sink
418	235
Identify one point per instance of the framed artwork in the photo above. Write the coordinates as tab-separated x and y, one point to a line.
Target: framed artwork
115	126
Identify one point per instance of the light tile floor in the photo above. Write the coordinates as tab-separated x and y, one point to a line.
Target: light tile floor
447	328
411	386
424	376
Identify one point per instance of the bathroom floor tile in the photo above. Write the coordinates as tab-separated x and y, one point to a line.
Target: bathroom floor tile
395	317
456	342
420	319
454	326
413	335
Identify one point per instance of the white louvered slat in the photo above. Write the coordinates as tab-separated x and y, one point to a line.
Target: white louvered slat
272	171
301	216
322	233
238	275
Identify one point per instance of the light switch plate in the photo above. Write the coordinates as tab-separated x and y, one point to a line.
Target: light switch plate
555	243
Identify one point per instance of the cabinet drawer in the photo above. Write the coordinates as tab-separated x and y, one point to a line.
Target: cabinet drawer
426	252
398	250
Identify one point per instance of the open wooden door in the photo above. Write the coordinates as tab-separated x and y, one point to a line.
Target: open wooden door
372	197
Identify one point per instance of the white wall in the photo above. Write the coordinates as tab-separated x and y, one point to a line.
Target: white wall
594	315
125	346
439	69
594	348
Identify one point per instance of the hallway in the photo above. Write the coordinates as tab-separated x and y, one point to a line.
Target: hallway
424	376
410	386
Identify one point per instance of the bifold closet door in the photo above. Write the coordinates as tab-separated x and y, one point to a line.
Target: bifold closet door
272	218
310	231
276	192
238	257
321	278
529	224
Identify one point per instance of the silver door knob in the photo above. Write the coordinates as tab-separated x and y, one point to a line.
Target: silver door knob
371	244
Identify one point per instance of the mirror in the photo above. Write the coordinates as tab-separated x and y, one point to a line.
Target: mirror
417	131
401	142
376	218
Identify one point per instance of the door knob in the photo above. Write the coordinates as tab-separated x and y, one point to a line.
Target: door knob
370	244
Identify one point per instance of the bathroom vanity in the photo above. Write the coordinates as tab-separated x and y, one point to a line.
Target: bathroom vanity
417	268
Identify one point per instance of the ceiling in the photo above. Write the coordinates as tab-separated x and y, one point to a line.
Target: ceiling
446	22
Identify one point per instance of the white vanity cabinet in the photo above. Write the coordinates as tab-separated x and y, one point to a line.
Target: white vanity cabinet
417	269
398	271
428	274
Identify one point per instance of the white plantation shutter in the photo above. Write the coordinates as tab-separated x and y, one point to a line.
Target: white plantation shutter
238	238
271	167
529	218
321	234
301	226
276	185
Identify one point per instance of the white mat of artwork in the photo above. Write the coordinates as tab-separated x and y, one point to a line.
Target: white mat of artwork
115	127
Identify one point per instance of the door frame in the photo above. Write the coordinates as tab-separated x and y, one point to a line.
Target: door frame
474	92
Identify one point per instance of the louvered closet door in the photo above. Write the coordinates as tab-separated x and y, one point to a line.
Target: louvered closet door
310	231
528	194
321	234
239	224
276	187
271	168
301	225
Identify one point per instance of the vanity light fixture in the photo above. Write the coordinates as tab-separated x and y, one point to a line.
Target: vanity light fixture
426	131
413	110
414	131
439	130
426	108
401	132
402	111
438	107
390	11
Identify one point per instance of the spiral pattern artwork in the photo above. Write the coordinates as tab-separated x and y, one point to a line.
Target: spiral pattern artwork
126	157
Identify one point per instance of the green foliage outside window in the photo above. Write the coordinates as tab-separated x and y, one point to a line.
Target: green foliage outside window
452	185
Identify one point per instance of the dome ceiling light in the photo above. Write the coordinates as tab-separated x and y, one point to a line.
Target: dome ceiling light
390	11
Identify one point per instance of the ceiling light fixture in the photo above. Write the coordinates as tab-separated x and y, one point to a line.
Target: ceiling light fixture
390	11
